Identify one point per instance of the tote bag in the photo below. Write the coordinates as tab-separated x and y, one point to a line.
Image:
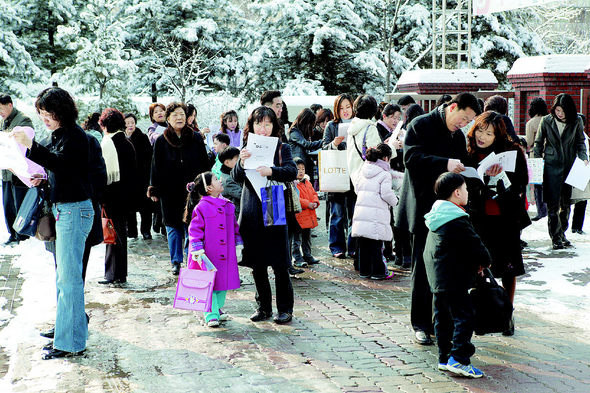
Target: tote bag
273	205
493	309
333	171
194	290
108	229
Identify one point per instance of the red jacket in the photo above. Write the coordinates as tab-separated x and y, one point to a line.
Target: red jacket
307	218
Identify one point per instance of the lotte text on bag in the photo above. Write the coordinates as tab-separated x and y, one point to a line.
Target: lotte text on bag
194	290
273	205
333	171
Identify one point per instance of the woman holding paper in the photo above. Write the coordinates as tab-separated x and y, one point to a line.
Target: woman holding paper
265	246
496	205
341	203
559	141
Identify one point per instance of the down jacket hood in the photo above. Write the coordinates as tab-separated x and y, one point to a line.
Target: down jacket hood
442	212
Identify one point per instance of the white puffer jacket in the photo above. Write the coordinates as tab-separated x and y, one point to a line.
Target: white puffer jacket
371	218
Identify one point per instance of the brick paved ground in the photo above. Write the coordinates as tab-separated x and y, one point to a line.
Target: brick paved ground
348	335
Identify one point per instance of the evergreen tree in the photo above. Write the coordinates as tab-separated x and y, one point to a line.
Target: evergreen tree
16	64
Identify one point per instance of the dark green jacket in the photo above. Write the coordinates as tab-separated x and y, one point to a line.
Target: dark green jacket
15	119
559	154
453	251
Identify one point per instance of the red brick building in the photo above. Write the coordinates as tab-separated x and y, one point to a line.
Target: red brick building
546	77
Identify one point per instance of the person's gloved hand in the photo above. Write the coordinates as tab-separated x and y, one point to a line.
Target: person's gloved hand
239	249
500	189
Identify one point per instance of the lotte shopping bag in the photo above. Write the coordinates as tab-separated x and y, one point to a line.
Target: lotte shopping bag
333	171
273	205
195	287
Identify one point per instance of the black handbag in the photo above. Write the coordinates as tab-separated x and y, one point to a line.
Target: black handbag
28	214
492	306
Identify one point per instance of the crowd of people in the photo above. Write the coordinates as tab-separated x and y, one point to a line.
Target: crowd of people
406	202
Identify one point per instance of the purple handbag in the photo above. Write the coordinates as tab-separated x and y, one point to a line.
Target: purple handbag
194	290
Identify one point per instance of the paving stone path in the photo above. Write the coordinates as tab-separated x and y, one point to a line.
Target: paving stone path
348	335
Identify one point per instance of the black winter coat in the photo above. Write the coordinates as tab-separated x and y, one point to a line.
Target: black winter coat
330	133
117	198
427	148
452	255
143	154
559	154
97	171
172	168
264	246
301	147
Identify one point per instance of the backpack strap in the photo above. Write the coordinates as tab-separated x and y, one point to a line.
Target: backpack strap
364	147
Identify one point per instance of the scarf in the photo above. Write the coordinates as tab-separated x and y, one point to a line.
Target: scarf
111	158
173	139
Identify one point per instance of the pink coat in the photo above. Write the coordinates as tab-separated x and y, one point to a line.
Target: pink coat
371	217
214	228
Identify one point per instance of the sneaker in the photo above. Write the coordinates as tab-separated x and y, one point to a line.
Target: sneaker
339	255
462	369
222	316
558	245
176	269
442	366
213	323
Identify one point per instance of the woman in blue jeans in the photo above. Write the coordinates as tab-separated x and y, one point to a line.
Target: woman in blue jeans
66	161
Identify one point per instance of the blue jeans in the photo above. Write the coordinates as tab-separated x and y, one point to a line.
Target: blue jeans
73	223
341	212
177	243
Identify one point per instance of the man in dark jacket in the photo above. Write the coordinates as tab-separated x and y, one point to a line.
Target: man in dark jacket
13	190
453	255
434	144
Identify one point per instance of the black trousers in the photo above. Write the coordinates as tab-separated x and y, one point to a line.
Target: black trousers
12	198
421	304
283	287
579	215
370	257
115	258
559	214
145	214
453	326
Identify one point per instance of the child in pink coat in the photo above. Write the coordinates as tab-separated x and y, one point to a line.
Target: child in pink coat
213	231
370	222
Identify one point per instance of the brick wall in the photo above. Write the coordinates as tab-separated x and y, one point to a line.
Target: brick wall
547	86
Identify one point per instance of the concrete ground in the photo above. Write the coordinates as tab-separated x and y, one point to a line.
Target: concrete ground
347	335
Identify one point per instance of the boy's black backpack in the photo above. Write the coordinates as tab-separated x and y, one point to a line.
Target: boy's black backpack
493	308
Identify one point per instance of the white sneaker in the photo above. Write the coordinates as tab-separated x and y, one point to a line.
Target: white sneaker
222	316
213	323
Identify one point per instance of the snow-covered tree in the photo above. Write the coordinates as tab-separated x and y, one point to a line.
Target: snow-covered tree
103	65
16	64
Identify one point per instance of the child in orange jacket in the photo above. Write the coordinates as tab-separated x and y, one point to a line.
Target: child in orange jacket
307	219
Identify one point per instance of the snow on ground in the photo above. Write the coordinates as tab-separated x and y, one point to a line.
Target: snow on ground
556	286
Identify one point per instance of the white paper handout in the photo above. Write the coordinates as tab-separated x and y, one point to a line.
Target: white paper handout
257	180
535	170
10	154
507	160
579	175
262	149
500	176
471	172
343	129
395	134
